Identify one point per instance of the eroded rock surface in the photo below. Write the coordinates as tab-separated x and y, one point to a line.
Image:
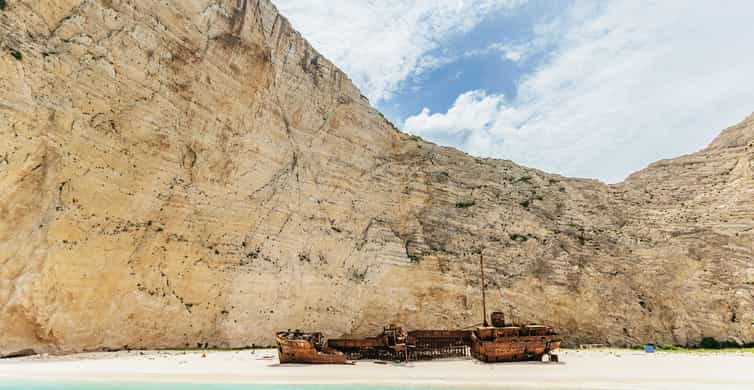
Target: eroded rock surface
191	173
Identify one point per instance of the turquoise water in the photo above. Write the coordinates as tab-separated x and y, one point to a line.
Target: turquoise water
168	386
164	386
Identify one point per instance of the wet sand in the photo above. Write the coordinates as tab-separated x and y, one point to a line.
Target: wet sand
583	369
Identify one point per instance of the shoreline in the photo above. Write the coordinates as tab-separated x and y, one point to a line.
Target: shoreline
579	369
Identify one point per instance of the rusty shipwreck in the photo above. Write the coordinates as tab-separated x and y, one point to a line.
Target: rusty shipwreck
503	342
302	347
495	342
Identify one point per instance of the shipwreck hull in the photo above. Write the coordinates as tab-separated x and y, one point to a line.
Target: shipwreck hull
497	343
368	348
513	350
487	344
374	353
417	345
396	344
439	344
390	345
513	343
307	349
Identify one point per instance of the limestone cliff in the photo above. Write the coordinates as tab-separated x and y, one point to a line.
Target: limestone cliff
185	173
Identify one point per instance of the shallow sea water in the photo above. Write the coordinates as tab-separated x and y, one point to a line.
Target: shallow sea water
167	386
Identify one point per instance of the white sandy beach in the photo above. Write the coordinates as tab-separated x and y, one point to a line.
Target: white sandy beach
592	369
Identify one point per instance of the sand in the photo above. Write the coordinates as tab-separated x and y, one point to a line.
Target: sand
583	369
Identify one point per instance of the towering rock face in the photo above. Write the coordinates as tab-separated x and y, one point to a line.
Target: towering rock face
188	173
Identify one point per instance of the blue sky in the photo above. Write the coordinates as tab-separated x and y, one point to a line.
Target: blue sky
583	88
437	89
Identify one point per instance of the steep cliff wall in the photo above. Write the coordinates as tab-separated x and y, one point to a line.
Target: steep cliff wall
188	173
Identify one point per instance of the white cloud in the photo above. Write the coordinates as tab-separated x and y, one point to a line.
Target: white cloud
629	82
472	110
381	44
514	52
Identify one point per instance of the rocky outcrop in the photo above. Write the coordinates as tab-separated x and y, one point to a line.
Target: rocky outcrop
183	174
